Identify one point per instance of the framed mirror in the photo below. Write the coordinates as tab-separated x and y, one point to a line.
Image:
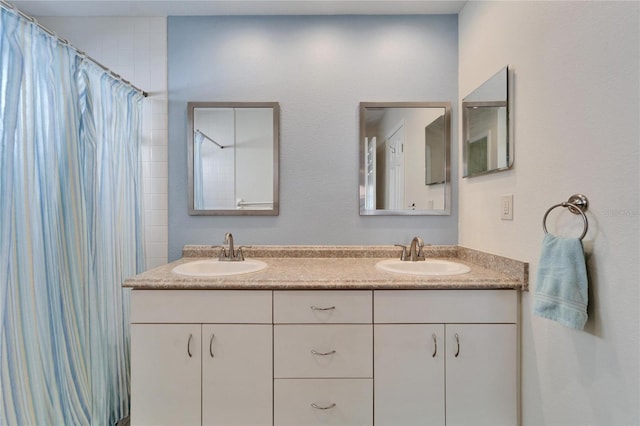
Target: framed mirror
405	150
233	153
487	145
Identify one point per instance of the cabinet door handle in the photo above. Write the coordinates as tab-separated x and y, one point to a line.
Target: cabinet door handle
322	353
315	308
189	346
211	345
319	407
458	345
435	345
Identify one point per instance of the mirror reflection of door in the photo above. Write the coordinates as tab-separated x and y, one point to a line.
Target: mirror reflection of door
395	169
411	141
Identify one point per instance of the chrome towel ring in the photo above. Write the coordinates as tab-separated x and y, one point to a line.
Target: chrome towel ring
577	204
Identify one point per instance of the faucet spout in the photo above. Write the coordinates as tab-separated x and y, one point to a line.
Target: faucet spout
230	253
228	239
415	250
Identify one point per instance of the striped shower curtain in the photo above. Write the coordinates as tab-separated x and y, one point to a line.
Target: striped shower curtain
70	231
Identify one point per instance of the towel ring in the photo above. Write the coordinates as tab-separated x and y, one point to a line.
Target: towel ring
576	204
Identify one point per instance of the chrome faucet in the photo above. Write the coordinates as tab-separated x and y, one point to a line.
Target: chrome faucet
416	251
230	254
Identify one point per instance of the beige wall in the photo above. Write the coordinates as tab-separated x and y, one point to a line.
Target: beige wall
576	122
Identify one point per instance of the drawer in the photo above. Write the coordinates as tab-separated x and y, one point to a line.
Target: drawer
294	402
445	306
201	306
307	351
308	307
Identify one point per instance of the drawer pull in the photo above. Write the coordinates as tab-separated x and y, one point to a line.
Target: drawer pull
330	308
211	344
458	344
318	407
322	353
435	345
189	346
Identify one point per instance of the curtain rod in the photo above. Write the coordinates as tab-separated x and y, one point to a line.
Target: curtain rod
80	53
211	140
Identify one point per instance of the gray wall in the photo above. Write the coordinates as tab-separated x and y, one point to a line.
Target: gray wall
318	68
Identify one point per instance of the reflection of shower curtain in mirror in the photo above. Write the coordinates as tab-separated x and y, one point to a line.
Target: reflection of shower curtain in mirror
198	196
214	167
370	177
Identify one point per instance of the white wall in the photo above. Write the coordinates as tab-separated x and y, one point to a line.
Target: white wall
135	48
576	121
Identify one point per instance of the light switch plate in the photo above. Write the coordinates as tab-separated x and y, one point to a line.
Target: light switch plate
506	207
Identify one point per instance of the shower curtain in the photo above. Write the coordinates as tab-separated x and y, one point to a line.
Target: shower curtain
70	231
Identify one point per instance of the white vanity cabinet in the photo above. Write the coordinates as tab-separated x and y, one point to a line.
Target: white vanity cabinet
445	357
323	358
201	357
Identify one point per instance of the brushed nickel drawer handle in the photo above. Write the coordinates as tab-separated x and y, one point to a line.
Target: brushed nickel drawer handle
318	407
322	353
458	345
435	345
189	346
211	344
330	308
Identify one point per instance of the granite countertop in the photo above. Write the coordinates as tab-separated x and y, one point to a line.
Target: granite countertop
339	267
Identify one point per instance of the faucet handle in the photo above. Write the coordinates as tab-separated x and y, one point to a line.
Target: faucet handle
239	254
403	256
223	254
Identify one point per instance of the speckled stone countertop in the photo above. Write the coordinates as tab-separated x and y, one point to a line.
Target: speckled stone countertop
339	267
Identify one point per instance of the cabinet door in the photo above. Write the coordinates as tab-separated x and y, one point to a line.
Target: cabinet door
237	374
409	374
165	374
481	379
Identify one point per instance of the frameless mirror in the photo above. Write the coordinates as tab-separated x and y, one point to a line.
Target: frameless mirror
233	158
486	143
405	158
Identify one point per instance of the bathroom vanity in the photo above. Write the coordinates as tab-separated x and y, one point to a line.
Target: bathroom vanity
322	337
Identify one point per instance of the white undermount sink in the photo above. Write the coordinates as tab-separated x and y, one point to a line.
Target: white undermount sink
428	267
216	268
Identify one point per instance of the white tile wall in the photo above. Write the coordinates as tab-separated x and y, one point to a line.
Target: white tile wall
135	48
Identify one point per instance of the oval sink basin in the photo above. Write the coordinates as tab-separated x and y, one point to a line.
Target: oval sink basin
215	268
428	267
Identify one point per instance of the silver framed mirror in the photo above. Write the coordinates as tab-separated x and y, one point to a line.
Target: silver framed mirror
405	150
233	158
487	145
